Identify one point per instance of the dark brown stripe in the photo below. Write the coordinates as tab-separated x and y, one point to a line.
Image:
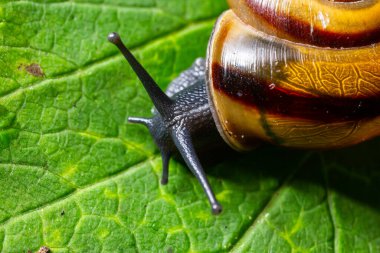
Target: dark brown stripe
248	90
302	30
345	1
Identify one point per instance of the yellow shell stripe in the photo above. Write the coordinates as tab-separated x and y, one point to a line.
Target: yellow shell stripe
319	22
352	72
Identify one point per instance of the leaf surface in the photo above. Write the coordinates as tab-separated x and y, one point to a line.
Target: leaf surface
76	177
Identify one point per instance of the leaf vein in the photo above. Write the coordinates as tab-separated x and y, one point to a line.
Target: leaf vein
245	232
103	61
330	206
91	5
77	191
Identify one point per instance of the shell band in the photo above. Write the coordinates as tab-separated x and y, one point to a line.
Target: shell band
322	23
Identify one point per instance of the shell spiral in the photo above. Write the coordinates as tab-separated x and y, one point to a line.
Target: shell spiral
296	73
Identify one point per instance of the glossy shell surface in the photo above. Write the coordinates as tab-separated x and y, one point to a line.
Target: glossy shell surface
266	88
339	23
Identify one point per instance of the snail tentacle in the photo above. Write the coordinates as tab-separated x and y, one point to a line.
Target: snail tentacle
165	155
183	142
160	100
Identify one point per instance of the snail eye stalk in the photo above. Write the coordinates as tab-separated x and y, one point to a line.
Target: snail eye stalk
167	133
160	100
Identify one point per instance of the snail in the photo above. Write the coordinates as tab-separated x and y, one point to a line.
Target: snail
300	74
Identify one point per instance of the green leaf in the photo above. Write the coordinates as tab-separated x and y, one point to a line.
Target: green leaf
76	177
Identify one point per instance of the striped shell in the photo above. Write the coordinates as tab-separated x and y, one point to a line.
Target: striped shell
296	73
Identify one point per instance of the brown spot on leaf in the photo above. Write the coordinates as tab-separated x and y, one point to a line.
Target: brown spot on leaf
33	69
44	249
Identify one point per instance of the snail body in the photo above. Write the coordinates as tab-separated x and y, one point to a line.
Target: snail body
296	74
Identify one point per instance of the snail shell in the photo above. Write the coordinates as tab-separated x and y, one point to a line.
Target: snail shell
279	72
